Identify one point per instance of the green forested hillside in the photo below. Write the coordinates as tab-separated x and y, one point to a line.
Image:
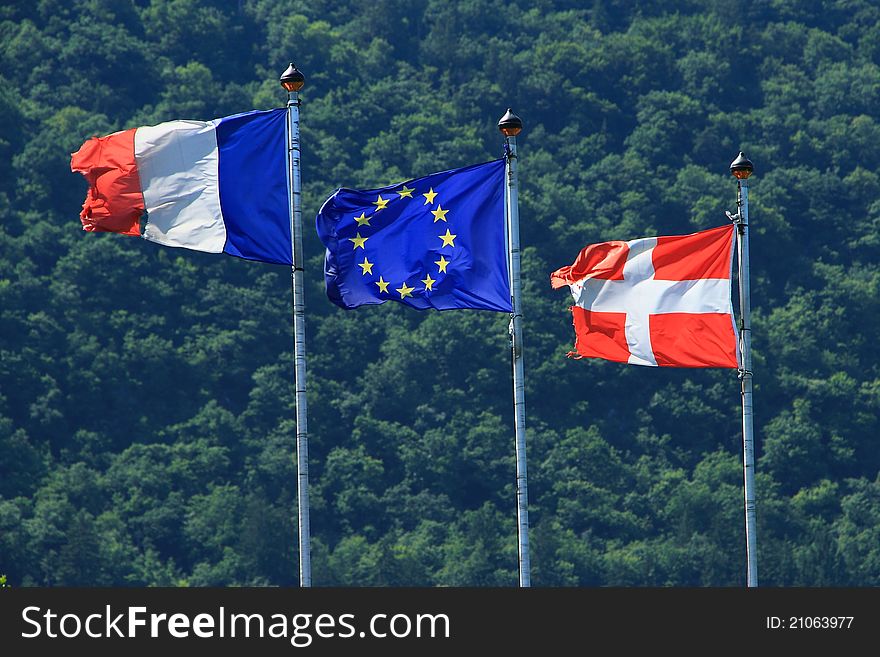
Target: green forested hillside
146	397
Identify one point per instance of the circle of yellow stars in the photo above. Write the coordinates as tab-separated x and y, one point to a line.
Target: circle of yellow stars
447	239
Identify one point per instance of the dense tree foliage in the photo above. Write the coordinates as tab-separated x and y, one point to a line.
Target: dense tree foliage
146	398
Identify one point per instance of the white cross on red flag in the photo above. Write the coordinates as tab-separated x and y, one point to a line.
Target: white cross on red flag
656	301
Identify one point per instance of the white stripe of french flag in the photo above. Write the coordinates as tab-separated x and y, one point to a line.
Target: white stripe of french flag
657	301
216	186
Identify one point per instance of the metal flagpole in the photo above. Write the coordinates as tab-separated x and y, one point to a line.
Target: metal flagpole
742	168
510	126
292	81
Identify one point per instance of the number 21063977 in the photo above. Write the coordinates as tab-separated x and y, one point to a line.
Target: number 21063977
809	622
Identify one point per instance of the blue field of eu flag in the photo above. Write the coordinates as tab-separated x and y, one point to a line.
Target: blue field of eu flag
434	242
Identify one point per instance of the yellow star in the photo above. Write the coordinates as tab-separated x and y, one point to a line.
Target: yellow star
448	238
439	214
429	196
363	220
367	266
383	285
360	241
429	282
442	262
380	202
405	291
406	191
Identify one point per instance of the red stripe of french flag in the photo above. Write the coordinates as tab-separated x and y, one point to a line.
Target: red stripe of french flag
657	301
114	201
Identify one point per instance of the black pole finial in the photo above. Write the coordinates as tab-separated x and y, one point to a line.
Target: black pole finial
292	79
741	167
510	124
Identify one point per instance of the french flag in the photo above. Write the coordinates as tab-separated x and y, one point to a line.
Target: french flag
216	186
656	301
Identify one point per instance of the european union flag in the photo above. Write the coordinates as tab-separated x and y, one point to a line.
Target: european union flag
434	242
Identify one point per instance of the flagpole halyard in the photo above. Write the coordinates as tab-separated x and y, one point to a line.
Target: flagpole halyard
293	80
510	126
742	168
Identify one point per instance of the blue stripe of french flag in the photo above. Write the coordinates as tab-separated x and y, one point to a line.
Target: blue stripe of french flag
216	186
